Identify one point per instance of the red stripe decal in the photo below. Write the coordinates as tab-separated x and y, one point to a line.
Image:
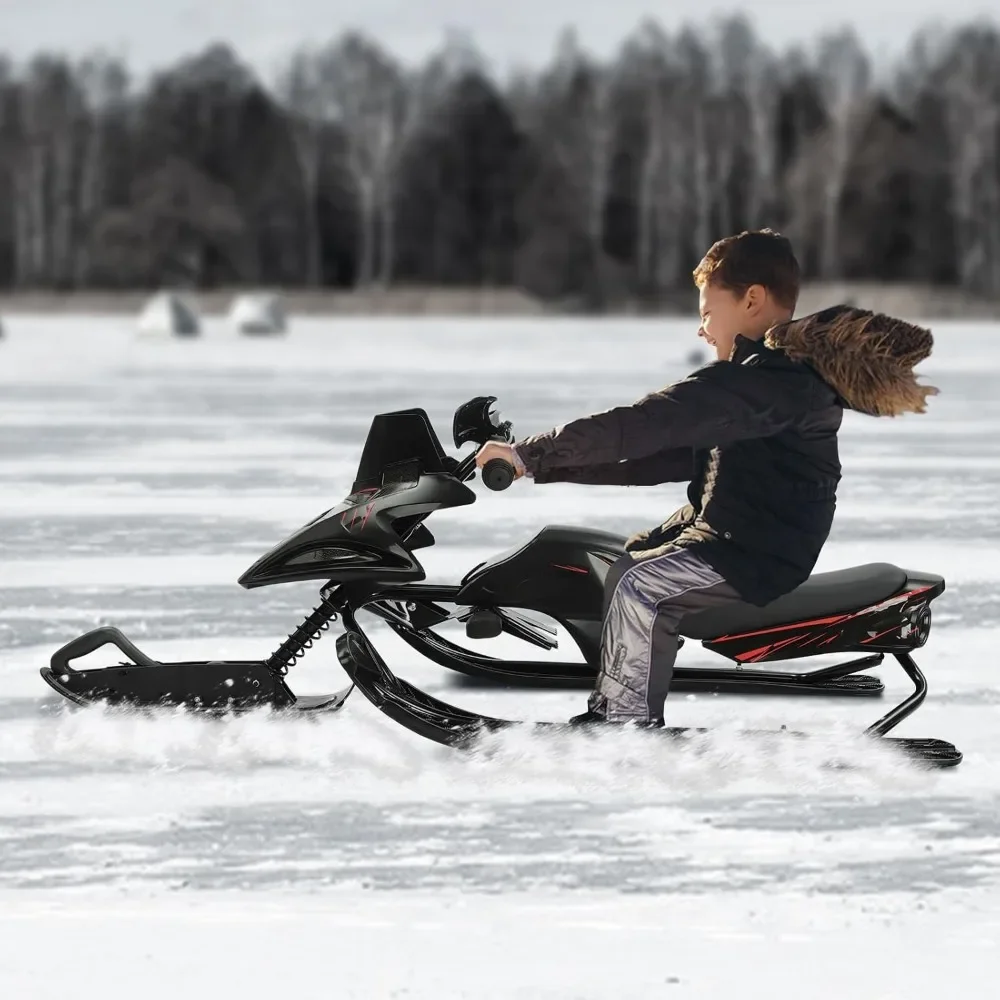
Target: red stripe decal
783	628
759	654
872	638
824	621
572	569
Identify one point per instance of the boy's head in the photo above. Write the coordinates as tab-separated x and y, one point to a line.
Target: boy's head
746	284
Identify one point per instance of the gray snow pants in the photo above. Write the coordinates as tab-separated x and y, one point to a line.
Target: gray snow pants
645	597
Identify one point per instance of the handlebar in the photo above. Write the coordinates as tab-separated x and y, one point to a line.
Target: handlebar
497	474
466	468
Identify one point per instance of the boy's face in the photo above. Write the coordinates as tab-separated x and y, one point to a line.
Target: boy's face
724	314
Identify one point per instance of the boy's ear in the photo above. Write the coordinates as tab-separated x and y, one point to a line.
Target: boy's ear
756	294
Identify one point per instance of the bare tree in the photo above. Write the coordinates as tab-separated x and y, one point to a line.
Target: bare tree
39	112
972	85
749	86
589	87
365	89
648	55
693	61
409	104
568	112
104	84
300	87
844	73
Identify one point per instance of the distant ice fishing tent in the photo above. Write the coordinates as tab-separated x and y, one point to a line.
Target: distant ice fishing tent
258	315
168	315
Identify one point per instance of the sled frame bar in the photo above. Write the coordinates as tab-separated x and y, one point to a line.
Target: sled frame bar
879	728
909	705
416	598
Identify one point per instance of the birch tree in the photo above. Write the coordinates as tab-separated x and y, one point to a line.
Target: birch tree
972	85
9	143
649	58
844	74
570	114
48	109
301	90
750	85
28	176
104	86
693	62
364	90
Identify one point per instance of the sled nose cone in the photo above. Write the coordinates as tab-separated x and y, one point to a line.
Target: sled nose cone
252	577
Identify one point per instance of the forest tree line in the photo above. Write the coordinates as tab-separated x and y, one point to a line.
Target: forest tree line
585	181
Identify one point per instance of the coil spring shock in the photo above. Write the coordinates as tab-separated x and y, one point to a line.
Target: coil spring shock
294	647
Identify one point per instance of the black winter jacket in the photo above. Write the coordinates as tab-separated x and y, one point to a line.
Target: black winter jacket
756	437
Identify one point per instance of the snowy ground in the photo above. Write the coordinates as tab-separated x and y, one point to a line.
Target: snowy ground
139	478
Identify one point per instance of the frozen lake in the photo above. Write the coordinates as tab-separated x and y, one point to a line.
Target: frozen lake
138	479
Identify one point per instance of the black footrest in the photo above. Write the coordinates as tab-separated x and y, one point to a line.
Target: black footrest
745	682
855	683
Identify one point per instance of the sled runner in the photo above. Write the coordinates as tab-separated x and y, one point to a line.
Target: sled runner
364	549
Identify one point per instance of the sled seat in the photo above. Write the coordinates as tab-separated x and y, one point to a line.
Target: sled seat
823	594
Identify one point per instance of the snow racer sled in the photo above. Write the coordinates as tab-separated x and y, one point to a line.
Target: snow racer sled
364	549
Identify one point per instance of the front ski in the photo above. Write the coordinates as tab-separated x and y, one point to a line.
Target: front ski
446	724
211	686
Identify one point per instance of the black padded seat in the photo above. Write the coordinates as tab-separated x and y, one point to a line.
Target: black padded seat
823	594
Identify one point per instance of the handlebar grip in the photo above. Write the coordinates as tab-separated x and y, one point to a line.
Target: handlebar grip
497	474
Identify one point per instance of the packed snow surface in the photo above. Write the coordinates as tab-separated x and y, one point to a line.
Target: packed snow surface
344	856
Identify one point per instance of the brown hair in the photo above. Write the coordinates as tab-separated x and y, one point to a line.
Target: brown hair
761	257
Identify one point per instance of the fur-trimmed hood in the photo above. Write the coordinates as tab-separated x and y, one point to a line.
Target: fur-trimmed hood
866	358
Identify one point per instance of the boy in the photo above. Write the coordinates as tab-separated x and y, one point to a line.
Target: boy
755	435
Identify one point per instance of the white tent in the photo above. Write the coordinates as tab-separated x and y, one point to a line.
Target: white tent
168	315
261	314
